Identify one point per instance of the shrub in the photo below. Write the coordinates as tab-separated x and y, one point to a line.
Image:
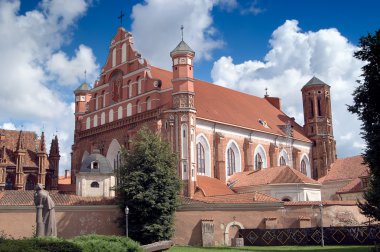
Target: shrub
38	245
102	243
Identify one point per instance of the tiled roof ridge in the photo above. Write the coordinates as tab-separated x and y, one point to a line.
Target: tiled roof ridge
317	203
302	176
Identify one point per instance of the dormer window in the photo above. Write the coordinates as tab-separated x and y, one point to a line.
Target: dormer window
94	165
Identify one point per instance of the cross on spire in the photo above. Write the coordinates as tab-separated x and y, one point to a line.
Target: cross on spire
182	31
121	18
266	92
85	76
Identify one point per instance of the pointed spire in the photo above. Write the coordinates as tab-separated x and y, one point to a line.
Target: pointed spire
54	147
42	143
20	142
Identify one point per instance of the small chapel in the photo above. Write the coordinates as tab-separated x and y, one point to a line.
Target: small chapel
218	133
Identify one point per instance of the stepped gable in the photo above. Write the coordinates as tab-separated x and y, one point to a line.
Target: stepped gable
26	198
219	104
28	141
212	186
274	175
345	169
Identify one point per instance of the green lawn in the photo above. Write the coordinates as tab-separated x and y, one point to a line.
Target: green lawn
277	248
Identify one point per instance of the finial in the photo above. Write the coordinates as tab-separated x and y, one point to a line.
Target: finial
85	76
121	18
266	92
182	31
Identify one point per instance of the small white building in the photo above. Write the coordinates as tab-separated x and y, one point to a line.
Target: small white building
96	177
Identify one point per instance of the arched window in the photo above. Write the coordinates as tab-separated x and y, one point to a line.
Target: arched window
130	89
104	99
201	159
231	166
148	103
114	57
88	122
96	101
95	120
103	118
261	159
283	158
287	199
10	181
124	53
258	161
31	182
138	104
311	108
203	155
303	167
129	109
120	112
110	115
139	88
319	107
95	184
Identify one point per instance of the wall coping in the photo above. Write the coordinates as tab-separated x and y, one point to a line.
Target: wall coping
4	209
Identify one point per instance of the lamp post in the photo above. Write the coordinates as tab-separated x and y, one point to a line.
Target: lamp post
321	213
126	220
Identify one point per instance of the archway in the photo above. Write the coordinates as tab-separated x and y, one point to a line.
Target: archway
236	226
113	154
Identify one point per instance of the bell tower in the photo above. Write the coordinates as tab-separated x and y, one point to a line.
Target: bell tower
318	125
185	114
82	97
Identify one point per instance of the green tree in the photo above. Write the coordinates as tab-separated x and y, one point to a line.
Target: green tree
367	107
149	186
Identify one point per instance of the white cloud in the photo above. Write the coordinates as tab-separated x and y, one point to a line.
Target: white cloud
295	56
156	24
27	90
8	126
71	71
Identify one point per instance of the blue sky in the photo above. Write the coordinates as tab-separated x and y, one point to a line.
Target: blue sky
245	45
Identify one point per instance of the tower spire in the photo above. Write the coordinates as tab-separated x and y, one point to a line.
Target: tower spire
182	32
42	142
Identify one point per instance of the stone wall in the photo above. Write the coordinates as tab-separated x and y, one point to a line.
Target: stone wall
20	221
188	223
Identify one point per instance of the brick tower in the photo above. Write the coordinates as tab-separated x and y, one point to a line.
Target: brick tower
318	125
185	113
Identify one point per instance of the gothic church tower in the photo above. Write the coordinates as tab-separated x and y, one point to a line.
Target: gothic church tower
318	125
185	113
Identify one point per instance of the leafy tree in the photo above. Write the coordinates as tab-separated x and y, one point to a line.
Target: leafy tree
149	186
367	107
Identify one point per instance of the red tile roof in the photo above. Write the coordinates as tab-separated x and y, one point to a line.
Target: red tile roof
25	198
355	185
227	106
62	180
212	186
345	169
273	175
236	198
324	203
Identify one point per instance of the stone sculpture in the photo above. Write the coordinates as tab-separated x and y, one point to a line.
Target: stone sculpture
46	223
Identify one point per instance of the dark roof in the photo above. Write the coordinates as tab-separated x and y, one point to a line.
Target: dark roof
103	164
83	87
314	81
182	47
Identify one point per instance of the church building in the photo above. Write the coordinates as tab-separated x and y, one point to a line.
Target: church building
216	132
24	161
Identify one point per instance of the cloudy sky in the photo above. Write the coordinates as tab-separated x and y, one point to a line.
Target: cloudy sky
46	46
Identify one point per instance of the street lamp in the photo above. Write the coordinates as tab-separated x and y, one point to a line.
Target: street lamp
321	213
126	220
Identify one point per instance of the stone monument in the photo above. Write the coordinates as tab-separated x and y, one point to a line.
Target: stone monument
45	218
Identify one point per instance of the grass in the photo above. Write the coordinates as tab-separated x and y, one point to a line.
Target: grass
276	248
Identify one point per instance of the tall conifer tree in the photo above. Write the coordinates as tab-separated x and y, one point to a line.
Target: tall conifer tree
367	107
148	184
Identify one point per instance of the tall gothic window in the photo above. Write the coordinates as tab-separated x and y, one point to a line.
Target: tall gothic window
231	167
303	167
258	162
311	108
282	161
319	107
201	159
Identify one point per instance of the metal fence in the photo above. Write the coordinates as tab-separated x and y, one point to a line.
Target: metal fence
353	235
